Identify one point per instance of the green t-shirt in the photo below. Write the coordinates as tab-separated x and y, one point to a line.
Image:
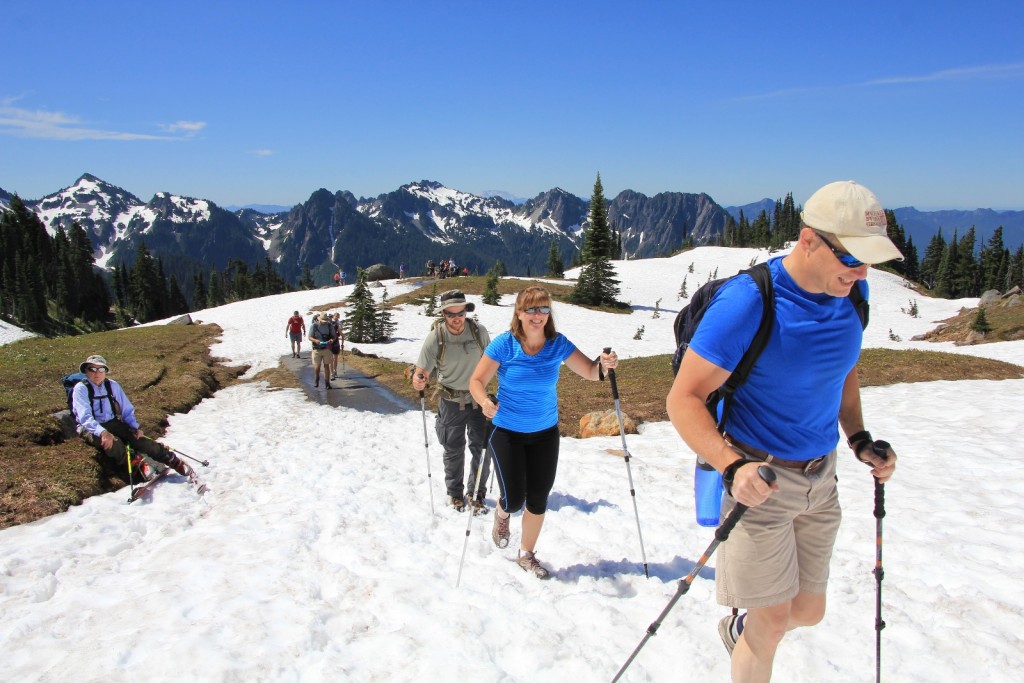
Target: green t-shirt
461	355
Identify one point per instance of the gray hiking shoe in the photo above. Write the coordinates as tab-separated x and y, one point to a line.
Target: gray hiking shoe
457	502
727	630
499	532
529	563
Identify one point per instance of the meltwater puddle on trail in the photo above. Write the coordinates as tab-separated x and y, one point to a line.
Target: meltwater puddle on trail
352	389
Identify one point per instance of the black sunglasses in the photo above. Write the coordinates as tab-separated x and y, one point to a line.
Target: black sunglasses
99	369
460	314
846	258
537	309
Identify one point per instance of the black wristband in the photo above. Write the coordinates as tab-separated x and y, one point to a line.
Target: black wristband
729	473
863	435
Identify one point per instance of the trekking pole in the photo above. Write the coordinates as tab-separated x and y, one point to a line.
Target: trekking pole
625	452
881	449
342	356
204	463
476	487
426	449
721	535
131	478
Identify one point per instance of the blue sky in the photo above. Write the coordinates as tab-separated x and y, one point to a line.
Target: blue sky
265	102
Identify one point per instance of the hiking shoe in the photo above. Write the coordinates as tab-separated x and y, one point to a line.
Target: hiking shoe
727	630
529	563
179	465
477	505
457	502
327	384
499	532
142	468
316	382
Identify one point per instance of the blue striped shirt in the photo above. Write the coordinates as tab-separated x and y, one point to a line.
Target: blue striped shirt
527	385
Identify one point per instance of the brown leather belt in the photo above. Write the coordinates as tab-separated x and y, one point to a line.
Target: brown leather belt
805	466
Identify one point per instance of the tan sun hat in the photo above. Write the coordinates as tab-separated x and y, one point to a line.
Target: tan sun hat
854	215
453	298
94	360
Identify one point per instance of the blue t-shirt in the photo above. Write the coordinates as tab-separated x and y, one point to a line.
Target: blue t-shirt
527	385
789	405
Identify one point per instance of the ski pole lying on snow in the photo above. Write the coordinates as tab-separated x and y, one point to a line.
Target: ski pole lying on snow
721	535
881	449
476	487
629	471
204	463
426	449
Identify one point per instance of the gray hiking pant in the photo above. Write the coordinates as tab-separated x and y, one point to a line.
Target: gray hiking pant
452	426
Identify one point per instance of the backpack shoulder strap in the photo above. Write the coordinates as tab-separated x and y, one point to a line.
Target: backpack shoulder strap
439	334
860	304
762	276
475	329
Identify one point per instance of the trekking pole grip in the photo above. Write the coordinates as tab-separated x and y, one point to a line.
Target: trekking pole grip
725	528
881	449
611	376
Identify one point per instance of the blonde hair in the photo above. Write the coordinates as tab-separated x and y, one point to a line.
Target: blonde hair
529	297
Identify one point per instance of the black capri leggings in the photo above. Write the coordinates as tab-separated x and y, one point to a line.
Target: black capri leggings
526	464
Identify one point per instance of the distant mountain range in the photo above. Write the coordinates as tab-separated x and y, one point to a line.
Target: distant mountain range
923	225
412	224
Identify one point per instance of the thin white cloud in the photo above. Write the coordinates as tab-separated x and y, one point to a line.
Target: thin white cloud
263	152
972	73
188	127
54	125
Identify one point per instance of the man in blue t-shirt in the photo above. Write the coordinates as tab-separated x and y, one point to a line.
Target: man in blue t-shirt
802	388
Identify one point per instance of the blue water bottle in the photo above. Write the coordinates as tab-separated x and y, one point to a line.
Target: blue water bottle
707	493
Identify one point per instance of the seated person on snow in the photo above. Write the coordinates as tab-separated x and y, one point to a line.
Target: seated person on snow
106	421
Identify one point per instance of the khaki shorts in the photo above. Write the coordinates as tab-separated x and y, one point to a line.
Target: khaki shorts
323	356
783	546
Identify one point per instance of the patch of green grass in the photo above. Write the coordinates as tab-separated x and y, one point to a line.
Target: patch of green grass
164	369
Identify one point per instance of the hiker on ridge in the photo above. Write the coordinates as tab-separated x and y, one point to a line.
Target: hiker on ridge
106	421
453	347
787	415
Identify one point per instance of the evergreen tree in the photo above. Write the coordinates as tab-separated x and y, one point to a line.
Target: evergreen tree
981	323
555	267
361	318
932	259
431	309
491	297
198	292
1015	271
966	281
176	302
596	285
911	270
385	321
994	262
944	274
145	286
215	292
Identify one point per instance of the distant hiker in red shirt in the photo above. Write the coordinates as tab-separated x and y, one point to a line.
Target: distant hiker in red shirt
295	330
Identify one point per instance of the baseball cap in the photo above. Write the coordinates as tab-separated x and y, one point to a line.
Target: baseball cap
453	298
852	213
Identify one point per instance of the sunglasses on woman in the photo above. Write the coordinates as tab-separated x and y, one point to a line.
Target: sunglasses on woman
537	309
846	258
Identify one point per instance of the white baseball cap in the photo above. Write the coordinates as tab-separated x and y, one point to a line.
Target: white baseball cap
854	215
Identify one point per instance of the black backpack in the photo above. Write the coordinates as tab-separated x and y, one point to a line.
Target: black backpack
688	319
